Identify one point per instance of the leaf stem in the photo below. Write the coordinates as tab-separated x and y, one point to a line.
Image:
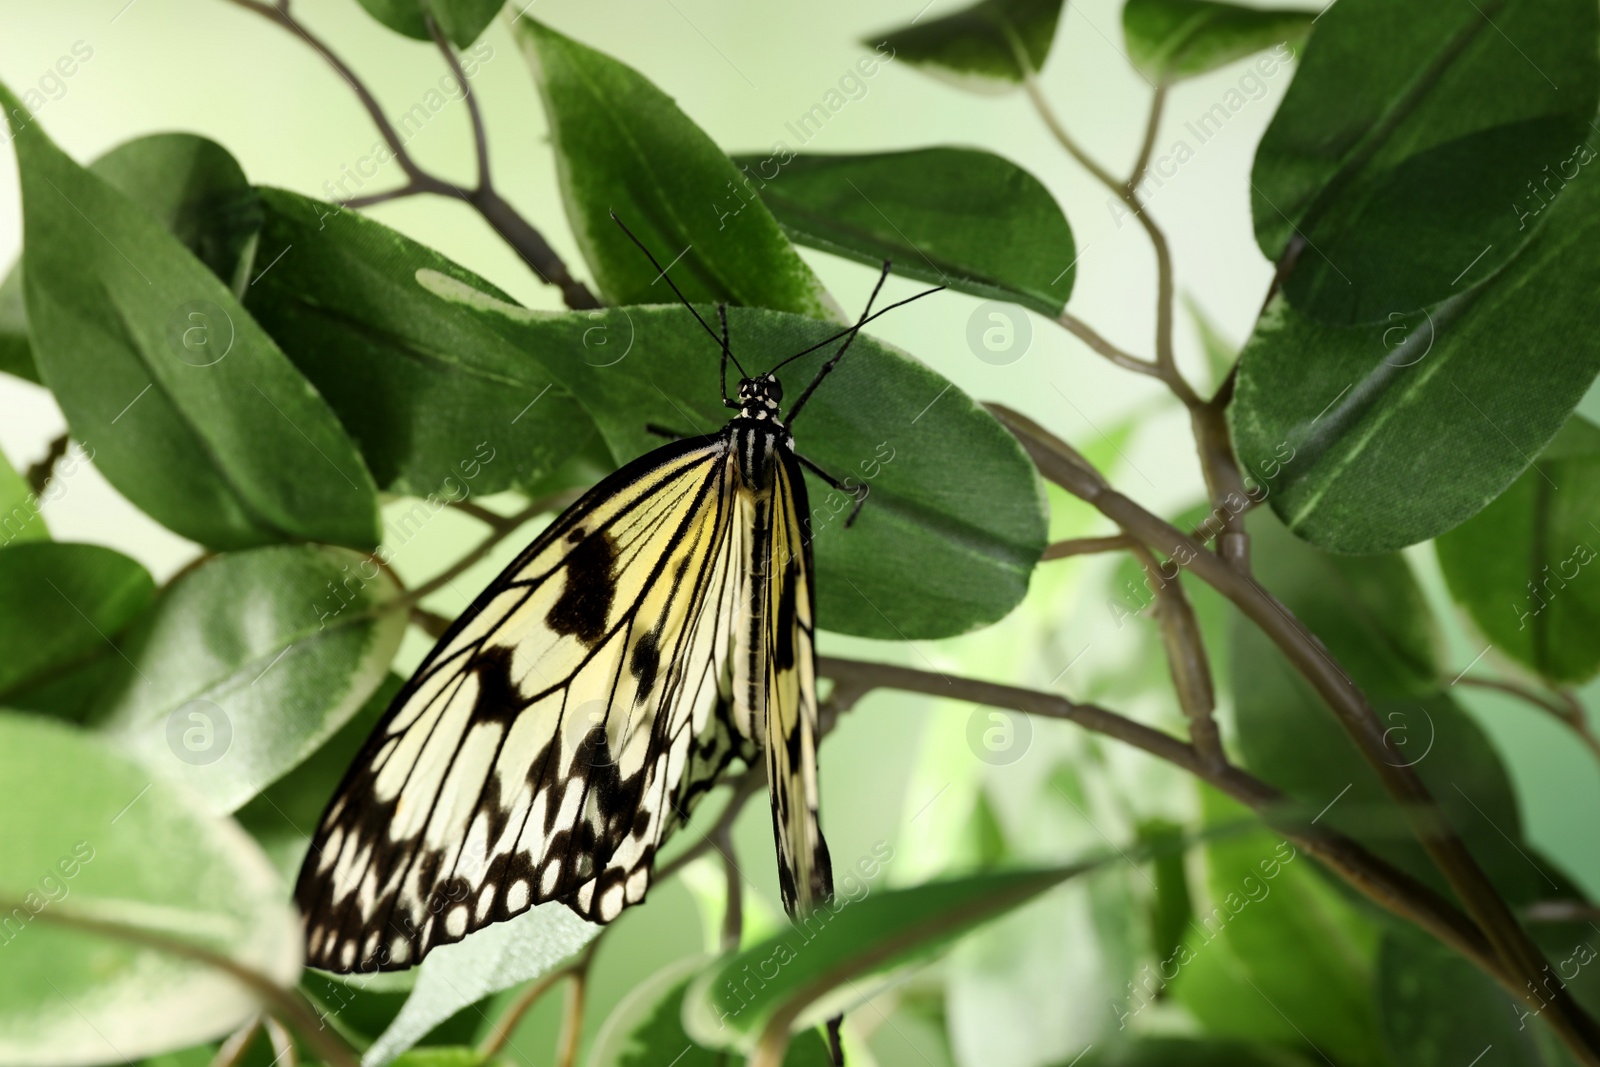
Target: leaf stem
572	1017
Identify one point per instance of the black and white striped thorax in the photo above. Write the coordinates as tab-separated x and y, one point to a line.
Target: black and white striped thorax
757	433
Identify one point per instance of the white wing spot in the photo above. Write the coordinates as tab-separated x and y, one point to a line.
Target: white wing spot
611	904
485	902
517	895
552	874
455	923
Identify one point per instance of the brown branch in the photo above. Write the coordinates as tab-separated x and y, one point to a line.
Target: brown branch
1523	961
431	622
38	475
513	228
1187	661
231	1052
511	524
1563	705
480	140
1151	129
283	1051
1086	546
733	886
1092	337
572	1017
501	1029
743	788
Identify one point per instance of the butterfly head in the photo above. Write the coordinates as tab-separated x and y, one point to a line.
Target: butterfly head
759	397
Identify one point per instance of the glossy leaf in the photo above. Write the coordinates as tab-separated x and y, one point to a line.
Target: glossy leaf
249	662
60	605
1190	1052
438	402
1409	150
497	957
1170	40
20	517
116	848
623	146
1274	942
1400	432
193	413
988	47
804	968
462	21
1522	567
193	187
953	525
960	217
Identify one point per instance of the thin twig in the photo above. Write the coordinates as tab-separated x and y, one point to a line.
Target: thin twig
1151	129
1086	546
38	475
733	886
572	1017
431	622
501	1029
1523	961
492	519
232	1051
480	141
283	1053
1187	661
511	525
1563	705
742	789
1092	337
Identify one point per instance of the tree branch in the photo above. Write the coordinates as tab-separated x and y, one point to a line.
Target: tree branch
1147	149
1522	960
510	525
572	1017
1564	706
1086	546
1186	658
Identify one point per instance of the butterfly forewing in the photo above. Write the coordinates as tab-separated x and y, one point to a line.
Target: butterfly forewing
555	734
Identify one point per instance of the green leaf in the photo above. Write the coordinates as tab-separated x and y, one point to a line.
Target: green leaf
1369	611
494	958
229	450
623	146
960	217
249	662
20	517
117	848
1170	40
1521	565
193	187
438	402
803	968
1190	1052
462	21
989	47
60	605
1400	432
954	522
1280	944
1438	1010
1410	145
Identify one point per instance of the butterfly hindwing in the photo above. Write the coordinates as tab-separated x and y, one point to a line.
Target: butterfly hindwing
555	734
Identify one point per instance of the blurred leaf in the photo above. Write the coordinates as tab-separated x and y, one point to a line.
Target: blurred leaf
1398	433
989	47
1295	952
803	968
1190	1052
497	957
1410	143
1369	611
1172	910
1221	353
1438	1010
20	517
1290	739
960	217
232	449
1170	40
193	187
60	605
954	523
16	356
1520	566
622	145
117	848
283	815
249	662
462	21
438	402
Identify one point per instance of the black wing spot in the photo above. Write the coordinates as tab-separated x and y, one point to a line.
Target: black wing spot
575	536
585	603
784	650
646	663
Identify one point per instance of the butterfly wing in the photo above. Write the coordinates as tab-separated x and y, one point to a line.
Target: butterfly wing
789	693
555	734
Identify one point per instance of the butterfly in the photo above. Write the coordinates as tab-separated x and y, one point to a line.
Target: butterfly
568	721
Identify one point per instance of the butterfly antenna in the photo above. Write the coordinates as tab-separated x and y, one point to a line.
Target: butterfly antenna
826	341
866	312
721	341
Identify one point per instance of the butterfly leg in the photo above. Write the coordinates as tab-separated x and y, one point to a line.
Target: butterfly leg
859	492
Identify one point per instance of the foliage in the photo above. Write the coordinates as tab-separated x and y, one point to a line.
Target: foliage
1331	858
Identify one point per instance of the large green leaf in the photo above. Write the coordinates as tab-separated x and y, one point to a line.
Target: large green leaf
438	402
1169	40
193	187
1399	432
954	522
1521	566
1406	154
60	606
87	836
989	47
459	20
193	413
248	663
623	146
1277	954
811	971
960	217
